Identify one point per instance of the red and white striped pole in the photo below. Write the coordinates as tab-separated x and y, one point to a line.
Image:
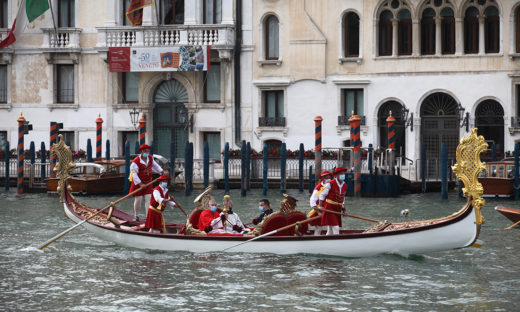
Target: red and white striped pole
317	146
391	140
355	122
21	122
99	123
142	130
54	136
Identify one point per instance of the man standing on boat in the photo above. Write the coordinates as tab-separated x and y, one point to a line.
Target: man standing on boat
265	210
332	197
141	170
160	199
325	177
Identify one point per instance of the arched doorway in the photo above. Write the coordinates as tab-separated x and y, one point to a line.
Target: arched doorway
383	113
170	118
489	119
439	124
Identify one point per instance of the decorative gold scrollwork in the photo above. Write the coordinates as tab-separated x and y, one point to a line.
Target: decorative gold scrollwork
467	169
64	165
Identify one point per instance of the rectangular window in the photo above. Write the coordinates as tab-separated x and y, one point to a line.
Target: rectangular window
448	35
3	140
3	14
492	34
470	35
132	137
66	14
517	100
353	102
273	104
212	84
405	36
428	36
212	11
213	139
517	26
65	82
68	137
130	87
126	4
3	83
171	12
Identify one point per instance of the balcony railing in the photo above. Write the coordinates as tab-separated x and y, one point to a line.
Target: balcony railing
168	35
61	38
343	120
271	121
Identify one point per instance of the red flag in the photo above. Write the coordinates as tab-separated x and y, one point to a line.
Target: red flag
134	14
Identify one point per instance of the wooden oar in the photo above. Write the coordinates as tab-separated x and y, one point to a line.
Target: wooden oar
55	238
512	226
178	206
274	231
347	215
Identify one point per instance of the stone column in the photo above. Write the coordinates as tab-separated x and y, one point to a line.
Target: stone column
438	36
481	35
459	36
415	37
148	15
395	50
227	12
190	12
111	19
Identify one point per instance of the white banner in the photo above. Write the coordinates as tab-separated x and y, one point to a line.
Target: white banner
183	58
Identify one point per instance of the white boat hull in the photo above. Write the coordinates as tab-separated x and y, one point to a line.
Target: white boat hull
457	234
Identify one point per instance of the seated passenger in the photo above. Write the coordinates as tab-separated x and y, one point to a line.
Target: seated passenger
265	209
207	216
232	222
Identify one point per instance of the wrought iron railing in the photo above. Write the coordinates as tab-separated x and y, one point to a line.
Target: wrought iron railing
271	121
343	120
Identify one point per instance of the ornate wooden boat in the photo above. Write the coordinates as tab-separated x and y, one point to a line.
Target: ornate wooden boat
100	177
510	213
458	230
498	181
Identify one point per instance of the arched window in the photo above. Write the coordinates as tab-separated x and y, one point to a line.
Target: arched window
471	31
448	31
489	119
271	30
351	31
517	27
404	32
428	32
492	29
385	33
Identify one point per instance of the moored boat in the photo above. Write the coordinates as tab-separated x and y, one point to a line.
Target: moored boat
458	230
510	213
498	181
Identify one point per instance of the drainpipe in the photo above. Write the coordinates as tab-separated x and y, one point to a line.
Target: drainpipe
238	48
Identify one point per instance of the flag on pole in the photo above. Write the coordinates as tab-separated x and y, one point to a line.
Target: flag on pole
134	14
28	11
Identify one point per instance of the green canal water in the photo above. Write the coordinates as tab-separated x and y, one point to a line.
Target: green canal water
82	273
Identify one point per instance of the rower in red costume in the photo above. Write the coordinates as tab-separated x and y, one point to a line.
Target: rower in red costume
325	177
210	217
332	197
160	199
141	170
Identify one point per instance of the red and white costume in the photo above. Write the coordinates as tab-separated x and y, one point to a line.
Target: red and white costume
159	200
141	171
313	202
333	195
206	217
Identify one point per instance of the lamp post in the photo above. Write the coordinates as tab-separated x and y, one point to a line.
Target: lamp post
407	120
462	118
134	115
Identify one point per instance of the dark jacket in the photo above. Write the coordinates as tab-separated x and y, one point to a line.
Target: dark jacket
262	215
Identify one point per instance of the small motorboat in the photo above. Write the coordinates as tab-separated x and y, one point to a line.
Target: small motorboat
461	229
498	181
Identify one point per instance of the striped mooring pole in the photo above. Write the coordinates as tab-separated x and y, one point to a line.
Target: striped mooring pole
21	122
391	140
54	137
317	145
142	130
355	121
99	123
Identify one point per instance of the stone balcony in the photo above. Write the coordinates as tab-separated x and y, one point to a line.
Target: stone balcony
218	36
61	39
